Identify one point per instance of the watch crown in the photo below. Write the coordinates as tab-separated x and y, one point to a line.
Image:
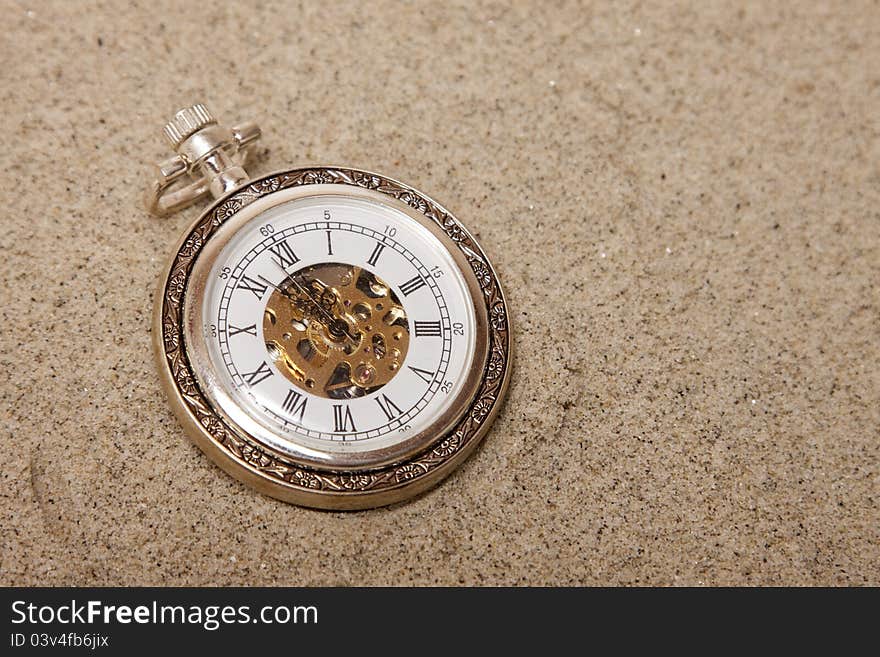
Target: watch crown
186	122
209	159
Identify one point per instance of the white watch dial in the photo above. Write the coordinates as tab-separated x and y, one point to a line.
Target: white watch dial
336	324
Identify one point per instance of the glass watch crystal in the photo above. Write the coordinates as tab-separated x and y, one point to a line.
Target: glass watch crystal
334	324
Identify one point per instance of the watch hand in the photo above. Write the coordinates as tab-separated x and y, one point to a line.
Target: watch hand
324	290
335	324
286	293
272	285
303	290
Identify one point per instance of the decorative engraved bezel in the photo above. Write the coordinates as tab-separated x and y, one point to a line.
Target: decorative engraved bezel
252	462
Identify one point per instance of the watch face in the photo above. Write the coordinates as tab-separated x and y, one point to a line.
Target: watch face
332	337
335	329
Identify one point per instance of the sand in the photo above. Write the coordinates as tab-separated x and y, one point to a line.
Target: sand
681	201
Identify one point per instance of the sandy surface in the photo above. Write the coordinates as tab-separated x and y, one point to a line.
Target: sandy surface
681	202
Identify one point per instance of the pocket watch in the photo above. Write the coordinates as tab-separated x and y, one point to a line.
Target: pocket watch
330	336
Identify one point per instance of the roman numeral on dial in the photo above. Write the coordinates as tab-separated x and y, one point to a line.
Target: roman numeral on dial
285	254
248	283
428	329
412	285
388	407
250	330
260	374
342	419
374	256
295	404
424	375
